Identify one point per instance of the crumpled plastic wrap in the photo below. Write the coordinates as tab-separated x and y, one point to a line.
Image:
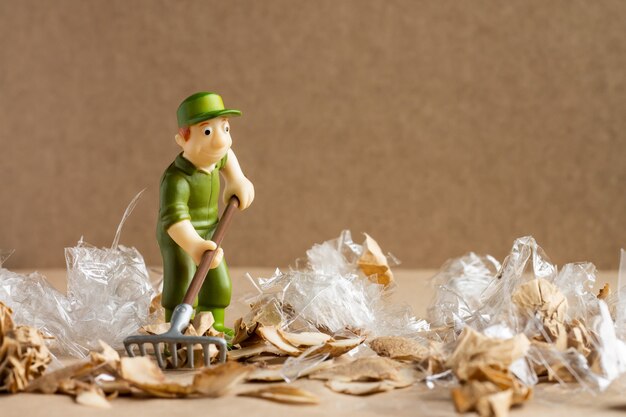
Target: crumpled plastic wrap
618	300
460	285
328	292
108	297
573	336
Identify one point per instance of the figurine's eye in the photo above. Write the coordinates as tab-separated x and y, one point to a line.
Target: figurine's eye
226	128
207	131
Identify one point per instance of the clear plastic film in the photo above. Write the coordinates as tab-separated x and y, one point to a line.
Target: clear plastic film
618	300
460	285
330	294
572	334
497	304
108	297
295	366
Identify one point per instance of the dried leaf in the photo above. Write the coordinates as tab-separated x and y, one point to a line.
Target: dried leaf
254	350
158	328
145	375
140	370
155	305
400	348
369	369
359	388
107	355
114	386
496	405
270	333
243	331
475	350
273	373
265	312
269	373
191	330
6	319
23	353
487	398
373	262
542	297
50	382
198	357
284	394
267	359
203	321
579	338
304	339
604	292
482	365
336	348
219	379
92	398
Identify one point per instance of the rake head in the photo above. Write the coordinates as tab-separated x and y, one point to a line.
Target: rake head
175	337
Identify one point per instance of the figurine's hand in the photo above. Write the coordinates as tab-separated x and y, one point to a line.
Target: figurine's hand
217	259
204	246
243	189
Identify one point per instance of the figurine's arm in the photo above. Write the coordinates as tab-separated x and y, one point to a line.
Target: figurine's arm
236	183
185	236
176	220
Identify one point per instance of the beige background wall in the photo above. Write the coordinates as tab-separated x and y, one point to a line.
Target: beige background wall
437	127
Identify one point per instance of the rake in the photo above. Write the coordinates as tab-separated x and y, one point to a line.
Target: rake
182	313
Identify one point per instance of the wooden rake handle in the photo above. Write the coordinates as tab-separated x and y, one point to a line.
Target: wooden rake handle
207	257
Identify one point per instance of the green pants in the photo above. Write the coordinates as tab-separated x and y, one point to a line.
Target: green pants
178	270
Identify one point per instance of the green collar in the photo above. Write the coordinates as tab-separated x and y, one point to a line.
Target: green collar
185	164
189	168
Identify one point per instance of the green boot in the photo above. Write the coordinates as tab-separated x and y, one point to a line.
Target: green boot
168	315
218	316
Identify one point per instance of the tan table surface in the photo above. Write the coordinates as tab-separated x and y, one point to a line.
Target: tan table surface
413	288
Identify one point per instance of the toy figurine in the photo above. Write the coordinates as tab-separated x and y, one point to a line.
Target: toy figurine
188	213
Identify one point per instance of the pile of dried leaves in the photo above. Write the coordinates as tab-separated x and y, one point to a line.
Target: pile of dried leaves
100	377
104	376
23	353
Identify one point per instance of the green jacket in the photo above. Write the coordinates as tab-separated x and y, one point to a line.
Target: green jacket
188	193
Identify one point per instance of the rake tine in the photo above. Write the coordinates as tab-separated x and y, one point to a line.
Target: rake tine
129	350
174	351
142	349
190	353
205	353
222	348
159	355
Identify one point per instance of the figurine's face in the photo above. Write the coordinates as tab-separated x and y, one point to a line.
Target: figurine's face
208	141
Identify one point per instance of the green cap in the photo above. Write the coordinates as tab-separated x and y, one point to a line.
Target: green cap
202	106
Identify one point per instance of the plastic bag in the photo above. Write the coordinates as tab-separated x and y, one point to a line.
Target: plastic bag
108	297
